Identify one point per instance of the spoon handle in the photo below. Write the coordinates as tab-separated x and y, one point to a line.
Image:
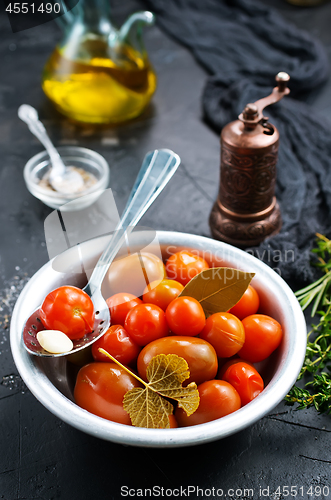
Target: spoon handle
157	169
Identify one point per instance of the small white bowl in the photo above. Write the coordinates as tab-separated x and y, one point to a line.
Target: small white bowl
89	160
52	383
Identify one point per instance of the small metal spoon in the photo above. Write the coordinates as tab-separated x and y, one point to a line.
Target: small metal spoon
62	179
157	169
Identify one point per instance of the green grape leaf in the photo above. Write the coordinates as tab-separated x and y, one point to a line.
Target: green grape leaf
148	407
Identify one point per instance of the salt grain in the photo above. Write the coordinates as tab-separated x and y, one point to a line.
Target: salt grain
8	297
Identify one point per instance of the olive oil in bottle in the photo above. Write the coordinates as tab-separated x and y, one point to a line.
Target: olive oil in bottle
95	88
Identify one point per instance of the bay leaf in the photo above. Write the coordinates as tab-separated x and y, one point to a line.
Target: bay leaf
218	288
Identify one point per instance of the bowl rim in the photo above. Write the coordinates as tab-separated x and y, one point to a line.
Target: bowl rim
42	157
285	376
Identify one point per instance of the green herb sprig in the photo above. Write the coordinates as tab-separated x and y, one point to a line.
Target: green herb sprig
316	370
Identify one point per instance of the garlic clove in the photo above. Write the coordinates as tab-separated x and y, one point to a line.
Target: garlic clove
54	341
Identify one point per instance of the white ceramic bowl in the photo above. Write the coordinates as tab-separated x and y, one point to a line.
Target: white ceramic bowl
51	382
90	161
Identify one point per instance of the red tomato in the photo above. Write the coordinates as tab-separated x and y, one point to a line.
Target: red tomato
247	305
119	306
217	399
245	379
145	323
225	332
162	293
173	422
185	316
183	266
222	368
69	310
263	335
199	355
100	389
117	342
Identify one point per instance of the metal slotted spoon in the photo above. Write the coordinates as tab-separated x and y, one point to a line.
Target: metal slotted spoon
157	169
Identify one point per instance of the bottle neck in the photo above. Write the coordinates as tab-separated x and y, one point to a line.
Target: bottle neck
95	15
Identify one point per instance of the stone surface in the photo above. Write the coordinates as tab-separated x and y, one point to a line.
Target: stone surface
44	458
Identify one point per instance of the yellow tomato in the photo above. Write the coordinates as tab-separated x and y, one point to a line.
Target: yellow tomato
132	273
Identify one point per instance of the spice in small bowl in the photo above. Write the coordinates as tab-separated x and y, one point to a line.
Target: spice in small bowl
93	168
89	179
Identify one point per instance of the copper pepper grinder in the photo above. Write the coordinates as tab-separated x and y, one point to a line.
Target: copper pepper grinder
246	211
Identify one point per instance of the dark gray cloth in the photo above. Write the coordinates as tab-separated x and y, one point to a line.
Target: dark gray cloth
243	44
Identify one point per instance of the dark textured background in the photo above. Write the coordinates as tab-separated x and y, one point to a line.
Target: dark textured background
43	458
